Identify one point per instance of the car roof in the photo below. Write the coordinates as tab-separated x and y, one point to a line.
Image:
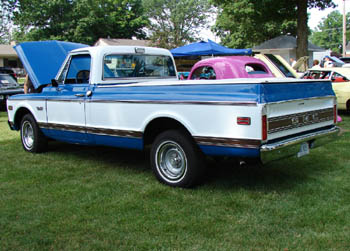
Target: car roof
122	49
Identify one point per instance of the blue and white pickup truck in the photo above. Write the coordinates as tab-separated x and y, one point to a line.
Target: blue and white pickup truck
130	97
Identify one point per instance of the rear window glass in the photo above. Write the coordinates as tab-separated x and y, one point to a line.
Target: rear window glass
255	69
7	80
136	66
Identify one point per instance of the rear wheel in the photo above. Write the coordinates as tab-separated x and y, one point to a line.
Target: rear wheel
176	159
33	140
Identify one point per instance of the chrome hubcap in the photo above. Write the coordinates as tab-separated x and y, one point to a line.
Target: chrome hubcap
27	135
171	161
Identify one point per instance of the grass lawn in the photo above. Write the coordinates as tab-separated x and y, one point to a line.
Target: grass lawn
97	198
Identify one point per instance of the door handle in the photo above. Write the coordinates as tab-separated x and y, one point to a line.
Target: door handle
89	93
80	95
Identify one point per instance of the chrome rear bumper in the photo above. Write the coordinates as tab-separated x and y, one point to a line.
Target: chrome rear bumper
291	146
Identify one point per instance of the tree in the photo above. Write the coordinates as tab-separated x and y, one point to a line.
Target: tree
329	33
81	21
173	23
302	28
252	22
246	23
5	23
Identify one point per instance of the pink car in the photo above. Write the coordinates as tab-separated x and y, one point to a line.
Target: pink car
230	67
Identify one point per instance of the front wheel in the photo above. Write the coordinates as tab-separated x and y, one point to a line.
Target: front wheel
33	140
176	159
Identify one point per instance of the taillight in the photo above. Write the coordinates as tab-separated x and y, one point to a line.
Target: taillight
335	116
243	120
264	127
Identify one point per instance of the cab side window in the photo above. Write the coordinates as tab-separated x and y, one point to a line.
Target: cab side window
77	70
204	72
255	69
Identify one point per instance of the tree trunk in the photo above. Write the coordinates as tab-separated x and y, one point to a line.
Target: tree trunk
302	29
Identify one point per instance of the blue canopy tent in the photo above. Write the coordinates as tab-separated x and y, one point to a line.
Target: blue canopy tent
207	48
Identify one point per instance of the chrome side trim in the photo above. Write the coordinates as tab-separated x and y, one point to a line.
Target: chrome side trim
228	142
301	99
290	147
161	102
92	130
175	102
77	100
71	128
114	132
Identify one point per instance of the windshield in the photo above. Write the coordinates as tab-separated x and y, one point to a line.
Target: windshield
7	81
138	66
280	66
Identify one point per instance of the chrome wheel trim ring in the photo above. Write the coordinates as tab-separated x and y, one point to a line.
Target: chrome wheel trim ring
27	135
171	161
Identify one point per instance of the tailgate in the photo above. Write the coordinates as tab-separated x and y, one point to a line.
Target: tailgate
296	108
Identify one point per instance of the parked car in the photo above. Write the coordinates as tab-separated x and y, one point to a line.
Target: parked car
346	60
340	77
9	71
8	87
230	67
279	67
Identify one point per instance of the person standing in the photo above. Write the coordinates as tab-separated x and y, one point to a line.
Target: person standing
328	62
292	62
316	63
28	85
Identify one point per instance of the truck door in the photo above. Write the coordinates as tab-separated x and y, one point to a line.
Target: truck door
66	107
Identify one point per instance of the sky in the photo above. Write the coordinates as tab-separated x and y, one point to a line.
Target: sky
315	17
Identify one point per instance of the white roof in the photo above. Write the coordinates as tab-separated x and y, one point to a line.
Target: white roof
103	50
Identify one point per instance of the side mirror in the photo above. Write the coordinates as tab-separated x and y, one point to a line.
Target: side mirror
54	83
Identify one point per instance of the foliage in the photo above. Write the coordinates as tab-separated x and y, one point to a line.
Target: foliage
83	21
329	33
244	23
175	23
5	23
98	198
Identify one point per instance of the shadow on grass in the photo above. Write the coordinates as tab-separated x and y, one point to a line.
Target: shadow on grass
223	174
102	154
280	175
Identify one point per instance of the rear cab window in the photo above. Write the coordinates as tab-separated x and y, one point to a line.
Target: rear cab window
137	66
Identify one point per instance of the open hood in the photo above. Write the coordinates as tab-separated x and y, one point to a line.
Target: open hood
43	59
